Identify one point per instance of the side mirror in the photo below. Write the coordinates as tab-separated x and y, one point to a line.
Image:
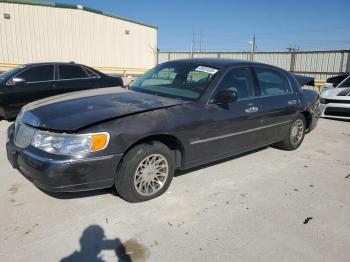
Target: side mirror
225	97
18	81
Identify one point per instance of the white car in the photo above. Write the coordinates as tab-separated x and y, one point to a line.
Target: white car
335	101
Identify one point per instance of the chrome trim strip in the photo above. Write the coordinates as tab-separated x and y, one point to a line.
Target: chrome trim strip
54	79
235	134
44	81
58	80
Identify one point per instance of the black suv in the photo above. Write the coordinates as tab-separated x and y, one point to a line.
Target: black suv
31	82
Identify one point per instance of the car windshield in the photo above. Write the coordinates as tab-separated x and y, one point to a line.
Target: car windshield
345	83
181	80
5	75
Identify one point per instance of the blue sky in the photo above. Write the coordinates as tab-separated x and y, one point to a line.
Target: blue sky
228	25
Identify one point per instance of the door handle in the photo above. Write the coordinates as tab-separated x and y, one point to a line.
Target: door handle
292	102
252	109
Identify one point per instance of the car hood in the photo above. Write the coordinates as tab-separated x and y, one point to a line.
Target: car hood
73	111
337	93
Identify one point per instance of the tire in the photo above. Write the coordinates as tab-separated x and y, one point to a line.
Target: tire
6	116
296	133
136	176
2	114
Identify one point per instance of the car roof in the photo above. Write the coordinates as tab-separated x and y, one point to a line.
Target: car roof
51	63
219	62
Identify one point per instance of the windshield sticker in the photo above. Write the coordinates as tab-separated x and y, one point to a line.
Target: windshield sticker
205	69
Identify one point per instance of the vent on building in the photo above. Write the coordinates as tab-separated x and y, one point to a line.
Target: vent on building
7	16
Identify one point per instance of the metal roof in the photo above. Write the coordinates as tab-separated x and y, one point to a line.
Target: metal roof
78	7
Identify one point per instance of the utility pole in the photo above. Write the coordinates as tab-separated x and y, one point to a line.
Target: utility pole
200	41
293	51
193	46
253	46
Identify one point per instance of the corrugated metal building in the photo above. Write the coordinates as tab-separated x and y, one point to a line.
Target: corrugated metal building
318	64
37	31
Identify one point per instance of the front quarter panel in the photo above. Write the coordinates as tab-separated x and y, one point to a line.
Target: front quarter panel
178	121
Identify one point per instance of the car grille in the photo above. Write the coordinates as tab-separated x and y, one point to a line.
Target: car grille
337	111
337	101
23	135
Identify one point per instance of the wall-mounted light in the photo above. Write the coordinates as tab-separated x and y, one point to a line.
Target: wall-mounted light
7	16
127	32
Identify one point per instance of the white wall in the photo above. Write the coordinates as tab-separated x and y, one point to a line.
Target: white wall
42	33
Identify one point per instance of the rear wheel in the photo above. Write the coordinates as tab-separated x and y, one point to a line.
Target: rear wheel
295	136
145	172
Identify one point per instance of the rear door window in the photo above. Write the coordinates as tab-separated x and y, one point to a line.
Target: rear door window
71	72
37	74
272	82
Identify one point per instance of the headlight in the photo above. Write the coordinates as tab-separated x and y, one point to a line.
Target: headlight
69	143
323	100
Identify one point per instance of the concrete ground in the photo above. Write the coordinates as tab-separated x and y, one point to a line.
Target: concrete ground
269	205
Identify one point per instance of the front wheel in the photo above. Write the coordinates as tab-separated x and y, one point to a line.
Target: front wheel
295	136
2	113
145	172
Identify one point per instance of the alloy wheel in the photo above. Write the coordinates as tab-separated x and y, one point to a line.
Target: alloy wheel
151	174
297	132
